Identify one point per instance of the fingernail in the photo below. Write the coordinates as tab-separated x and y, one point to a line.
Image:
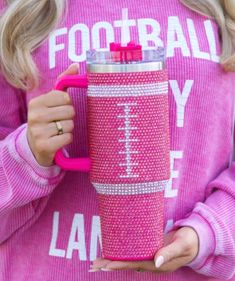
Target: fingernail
159	261
106	269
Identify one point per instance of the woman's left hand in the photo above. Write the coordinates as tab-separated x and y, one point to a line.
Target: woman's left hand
181	247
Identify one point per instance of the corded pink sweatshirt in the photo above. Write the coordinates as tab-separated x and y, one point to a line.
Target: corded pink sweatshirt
49	223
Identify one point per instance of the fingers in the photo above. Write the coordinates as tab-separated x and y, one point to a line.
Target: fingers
173	264
56	98
182	250
61	98
43	111
184	245
67	127
50	130
48	115
141	266
99	264
172	251
72	69
45	148
108	265
51	99
59	141
65	112
138	265
148	266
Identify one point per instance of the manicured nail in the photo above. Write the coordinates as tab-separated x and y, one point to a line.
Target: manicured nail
106	269
159	261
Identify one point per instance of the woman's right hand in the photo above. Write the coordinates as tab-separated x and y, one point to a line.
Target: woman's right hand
42	132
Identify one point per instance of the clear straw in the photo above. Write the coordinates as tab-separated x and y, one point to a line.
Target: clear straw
124	29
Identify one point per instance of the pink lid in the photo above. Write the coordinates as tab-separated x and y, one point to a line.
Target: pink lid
131	52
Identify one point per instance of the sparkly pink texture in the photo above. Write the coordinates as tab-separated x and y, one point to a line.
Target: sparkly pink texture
129	143
152	138
129	230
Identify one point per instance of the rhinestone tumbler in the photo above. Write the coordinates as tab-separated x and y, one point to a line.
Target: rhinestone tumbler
129	162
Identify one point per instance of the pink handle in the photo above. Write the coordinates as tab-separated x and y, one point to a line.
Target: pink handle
74	164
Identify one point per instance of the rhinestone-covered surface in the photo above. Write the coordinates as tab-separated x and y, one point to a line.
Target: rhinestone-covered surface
128	128
132	225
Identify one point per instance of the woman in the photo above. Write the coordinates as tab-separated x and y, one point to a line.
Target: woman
49	218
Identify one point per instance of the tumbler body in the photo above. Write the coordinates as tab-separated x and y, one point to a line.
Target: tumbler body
129	148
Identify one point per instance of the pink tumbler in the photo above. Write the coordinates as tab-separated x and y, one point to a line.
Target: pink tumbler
129	153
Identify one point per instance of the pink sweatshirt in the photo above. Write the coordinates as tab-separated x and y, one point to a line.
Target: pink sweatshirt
49	223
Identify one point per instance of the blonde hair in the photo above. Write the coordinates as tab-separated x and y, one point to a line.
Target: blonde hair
25	24
223	11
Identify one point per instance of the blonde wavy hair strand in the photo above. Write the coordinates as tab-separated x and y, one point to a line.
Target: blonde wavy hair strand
223	11
26	24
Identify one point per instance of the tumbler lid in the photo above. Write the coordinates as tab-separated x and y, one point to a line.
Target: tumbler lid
130	54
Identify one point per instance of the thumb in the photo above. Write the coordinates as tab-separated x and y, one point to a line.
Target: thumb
71	70
169	252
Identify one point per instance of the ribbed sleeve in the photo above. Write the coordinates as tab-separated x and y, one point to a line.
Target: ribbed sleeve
214	223
18	166
24	184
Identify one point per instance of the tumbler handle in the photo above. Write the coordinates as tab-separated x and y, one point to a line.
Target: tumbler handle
72	164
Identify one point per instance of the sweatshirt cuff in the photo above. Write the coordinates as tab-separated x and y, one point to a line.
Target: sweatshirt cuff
26	154
205	235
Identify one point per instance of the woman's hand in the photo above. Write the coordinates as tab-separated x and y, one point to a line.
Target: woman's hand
181	247
42	132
